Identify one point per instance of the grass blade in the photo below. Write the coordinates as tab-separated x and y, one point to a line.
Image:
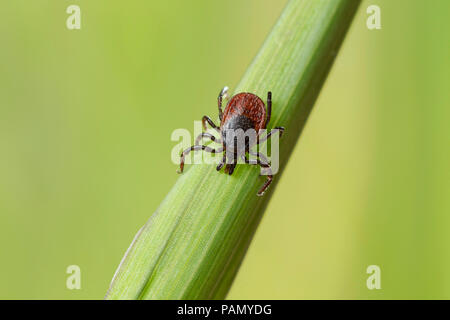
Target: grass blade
192	246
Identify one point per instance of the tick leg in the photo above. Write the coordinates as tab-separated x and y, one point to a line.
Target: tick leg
264	165
211	123
256	161
231	167
195	148
265	186
206	135
263	158
222	95
269	106
222	162
274	130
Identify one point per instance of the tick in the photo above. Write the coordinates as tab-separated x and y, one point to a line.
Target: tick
244	111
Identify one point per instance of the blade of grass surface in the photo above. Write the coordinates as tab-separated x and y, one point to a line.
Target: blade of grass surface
192	246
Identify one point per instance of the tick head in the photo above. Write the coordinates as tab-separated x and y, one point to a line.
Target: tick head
238	142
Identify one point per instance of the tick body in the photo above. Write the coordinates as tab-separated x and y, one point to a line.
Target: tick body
245	112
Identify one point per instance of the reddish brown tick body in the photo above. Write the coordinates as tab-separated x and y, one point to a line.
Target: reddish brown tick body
245	107
245	111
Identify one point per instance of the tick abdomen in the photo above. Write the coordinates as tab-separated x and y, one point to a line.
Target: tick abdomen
245	105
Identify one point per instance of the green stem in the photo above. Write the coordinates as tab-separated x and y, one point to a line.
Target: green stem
192	246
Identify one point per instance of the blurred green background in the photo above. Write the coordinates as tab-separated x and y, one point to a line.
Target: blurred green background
85	123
